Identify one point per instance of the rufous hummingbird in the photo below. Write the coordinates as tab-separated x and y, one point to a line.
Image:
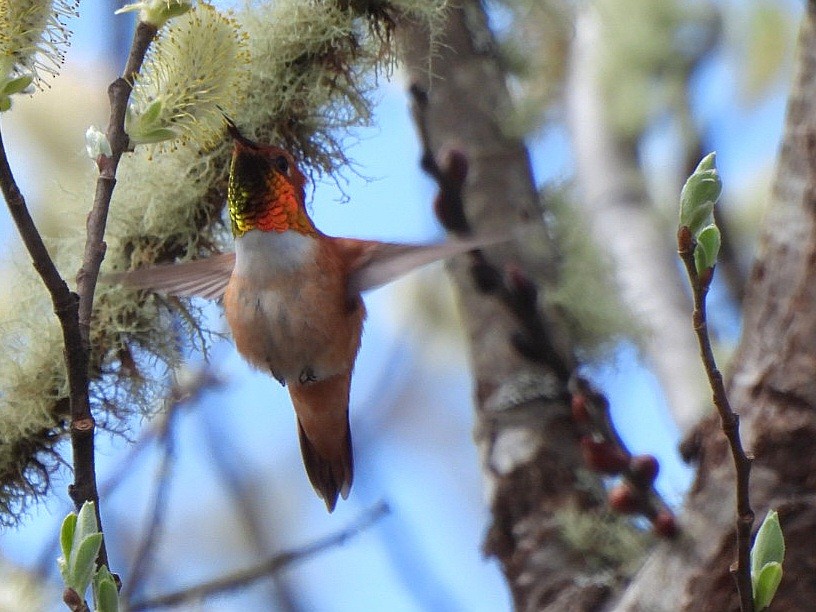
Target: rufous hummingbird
292	298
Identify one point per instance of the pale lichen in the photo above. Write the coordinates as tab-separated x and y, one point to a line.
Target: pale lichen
585	294
604	539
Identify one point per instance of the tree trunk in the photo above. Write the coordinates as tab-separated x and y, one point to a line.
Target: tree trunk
626	227
524	430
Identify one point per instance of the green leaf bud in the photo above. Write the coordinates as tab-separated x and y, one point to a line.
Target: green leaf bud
767	555
82	565
769	545
106	595
765	585
708	247
157	12
699	194
96	143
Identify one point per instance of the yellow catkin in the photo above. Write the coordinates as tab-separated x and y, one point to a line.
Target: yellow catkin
185	87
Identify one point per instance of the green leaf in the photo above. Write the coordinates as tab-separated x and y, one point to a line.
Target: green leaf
67	535
80	541
699	194
708	247
765	585
5	103
106	596
153	136
83	563
151	113
769	545
17	85
86	524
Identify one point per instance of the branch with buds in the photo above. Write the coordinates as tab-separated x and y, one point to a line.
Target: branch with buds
698	242
605	453
603	450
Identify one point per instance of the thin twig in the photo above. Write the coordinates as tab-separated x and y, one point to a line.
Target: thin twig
160	498
266	568
184	393
729	420
66	307
74	309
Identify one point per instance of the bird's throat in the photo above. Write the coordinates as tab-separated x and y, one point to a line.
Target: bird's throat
266	256
264	200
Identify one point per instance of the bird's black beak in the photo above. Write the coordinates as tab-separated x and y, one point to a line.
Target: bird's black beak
233	131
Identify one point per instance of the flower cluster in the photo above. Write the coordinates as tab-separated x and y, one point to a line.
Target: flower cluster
33	38
185	87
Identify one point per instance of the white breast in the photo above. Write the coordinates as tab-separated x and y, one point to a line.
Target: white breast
261	255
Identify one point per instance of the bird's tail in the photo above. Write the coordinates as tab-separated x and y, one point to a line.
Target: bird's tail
325	437
330	476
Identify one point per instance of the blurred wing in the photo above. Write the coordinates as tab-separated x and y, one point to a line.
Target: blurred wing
376	263
205	278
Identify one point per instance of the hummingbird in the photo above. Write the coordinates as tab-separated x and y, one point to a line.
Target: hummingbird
292	298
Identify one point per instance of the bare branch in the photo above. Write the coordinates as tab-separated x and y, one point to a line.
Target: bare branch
160	498
265	569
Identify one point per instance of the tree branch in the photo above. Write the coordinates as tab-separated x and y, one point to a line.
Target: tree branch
521	357
160	498
84	487
76	355
729	420
270	566
74	309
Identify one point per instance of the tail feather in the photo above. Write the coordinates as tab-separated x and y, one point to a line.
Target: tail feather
329	476
325	438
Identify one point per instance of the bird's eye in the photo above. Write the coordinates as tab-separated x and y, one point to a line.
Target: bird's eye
281	164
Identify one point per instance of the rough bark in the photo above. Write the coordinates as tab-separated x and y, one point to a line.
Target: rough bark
625	226
772	388
524	431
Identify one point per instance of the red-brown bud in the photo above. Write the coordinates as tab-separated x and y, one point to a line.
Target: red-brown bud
706	276
72	599
644	469
685	241
455	167
522	286
665	525
579	408
622	499
603	457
